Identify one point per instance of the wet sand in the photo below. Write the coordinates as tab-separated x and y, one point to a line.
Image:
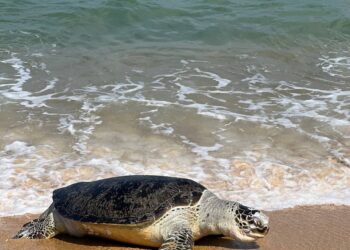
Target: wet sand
309	227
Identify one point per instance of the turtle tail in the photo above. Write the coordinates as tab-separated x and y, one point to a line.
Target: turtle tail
41	228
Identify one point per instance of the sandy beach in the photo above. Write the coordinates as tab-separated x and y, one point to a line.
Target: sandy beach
307	227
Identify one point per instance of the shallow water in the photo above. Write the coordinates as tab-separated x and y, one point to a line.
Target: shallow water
251	99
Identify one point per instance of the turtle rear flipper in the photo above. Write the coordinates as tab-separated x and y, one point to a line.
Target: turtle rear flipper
41	228
179	239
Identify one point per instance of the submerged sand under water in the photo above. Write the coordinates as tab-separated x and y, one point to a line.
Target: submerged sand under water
32	172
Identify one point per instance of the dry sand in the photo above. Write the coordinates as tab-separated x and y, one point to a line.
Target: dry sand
313	227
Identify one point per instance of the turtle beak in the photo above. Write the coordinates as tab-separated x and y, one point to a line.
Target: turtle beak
261	225
261	232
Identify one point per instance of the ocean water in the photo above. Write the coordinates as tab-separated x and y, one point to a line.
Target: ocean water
250	98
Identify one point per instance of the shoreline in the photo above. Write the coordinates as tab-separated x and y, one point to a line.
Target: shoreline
301	227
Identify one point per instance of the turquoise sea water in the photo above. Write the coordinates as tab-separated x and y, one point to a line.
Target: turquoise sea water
251	98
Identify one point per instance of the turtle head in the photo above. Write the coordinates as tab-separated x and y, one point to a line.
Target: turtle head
250	224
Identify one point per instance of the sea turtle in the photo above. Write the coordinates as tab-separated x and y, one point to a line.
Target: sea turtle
155	211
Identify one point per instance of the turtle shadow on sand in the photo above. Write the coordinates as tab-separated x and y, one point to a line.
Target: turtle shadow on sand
209	241
96	241
219	241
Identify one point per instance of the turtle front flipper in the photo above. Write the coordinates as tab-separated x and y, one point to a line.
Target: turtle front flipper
179	239
41	228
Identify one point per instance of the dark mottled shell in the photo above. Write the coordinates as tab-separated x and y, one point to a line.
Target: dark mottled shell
125	200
